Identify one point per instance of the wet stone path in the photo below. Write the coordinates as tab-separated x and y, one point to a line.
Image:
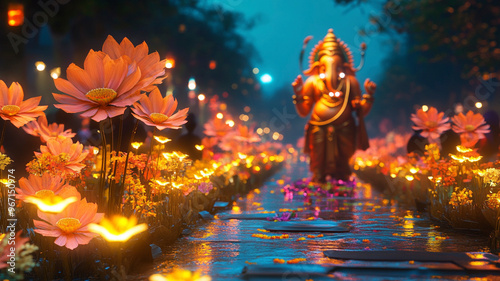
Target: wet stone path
222	248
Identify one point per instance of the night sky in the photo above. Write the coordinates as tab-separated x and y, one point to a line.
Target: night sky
282	26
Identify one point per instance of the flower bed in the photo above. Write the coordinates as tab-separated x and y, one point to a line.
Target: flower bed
94	211
458	189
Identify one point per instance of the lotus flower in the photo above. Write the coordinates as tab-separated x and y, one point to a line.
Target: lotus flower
150	65
102	89
157	111
71	225
471	128
431	123
42	129
14	109
71	153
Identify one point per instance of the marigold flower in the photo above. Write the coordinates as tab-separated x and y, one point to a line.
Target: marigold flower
471	128
431	123
14	109
158	111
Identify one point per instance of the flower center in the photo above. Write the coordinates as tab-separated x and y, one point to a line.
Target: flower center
44	193
68	225
469	128
10	109
158	118
431	124
102	96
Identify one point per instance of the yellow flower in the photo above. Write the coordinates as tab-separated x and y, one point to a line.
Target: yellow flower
118	229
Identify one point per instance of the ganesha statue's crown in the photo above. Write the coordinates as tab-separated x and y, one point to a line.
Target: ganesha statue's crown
329	46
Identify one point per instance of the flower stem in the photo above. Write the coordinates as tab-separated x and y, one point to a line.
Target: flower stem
146	170
3	133
128	154
103	163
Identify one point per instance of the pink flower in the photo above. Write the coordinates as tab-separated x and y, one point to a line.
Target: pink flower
42	129
157	111
71	225
14	109
471	128
41	186
431	123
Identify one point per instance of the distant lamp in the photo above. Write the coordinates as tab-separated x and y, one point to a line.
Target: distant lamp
40	65
55	72
192	84
425	108
219	115
169	63
212	65
15	14
266	78
479	104
201	97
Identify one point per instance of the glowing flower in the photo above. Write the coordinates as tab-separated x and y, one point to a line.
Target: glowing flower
158	111
71	226
14	109
150	65
118	229
40	186
471	127
71	153
431	123
42	129
102	89
246	134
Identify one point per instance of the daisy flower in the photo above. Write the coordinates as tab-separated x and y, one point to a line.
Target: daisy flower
157	111
471	128
14	109
431	123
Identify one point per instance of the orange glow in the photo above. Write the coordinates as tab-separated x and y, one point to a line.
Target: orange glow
169	63
136	145
118	228
212	65
15	15
161	139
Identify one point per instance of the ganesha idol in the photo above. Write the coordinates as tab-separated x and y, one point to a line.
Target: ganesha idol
333	94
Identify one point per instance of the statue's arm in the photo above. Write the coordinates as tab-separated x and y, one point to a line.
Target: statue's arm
304	95
362	103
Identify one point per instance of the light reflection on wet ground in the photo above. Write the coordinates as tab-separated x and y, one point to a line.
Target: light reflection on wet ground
221	248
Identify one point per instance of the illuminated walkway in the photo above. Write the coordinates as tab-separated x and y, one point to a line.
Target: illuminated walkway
221	248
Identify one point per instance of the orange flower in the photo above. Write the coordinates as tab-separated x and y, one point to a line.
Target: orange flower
102	89
71	153
13	108
471	128
150	65
71	225
246	134
156	110
431	123
42	129
217	128
40	186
